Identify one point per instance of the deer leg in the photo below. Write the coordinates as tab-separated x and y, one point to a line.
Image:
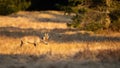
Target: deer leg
35	44
21	43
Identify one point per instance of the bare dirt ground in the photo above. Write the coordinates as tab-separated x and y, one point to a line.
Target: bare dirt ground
67	48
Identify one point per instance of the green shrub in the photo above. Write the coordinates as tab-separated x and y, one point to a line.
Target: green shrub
115	25
93	26
11	6
76	21
78	18
95	14
115	14
115	20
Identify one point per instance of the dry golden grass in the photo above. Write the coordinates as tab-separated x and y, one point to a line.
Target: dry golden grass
67	48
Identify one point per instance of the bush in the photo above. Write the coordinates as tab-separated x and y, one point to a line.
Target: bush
115	25
78	18
89	20
11	6
115	20
93	26
95	15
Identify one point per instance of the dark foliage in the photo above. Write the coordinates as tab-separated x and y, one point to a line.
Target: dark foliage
11	6
94	14
46	4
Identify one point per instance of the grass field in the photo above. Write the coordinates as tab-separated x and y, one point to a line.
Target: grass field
67	48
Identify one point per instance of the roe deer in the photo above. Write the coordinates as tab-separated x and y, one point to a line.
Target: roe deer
34	40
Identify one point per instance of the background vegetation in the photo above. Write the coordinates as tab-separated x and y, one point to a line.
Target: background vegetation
12	6
94	14
90	15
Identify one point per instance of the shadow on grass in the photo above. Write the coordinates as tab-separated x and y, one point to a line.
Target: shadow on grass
36	17
57	35
18	61
103	55
109	59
